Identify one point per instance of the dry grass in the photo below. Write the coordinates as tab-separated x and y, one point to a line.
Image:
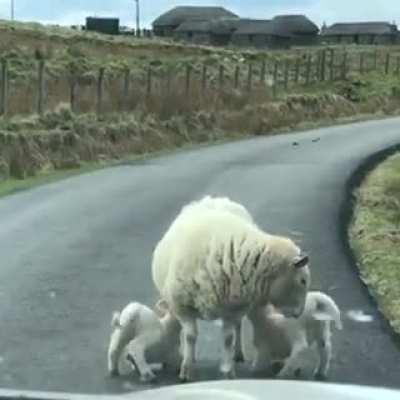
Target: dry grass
375	236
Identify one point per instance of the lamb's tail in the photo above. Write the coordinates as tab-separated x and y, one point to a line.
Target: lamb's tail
115	320
326	309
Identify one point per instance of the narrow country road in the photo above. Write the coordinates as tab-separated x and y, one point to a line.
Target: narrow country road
71	252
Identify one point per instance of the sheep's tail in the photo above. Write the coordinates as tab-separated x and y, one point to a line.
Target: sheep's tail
115	320
326	309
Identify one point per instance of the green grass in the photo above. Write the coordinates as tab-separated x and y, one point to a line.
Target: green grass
375	236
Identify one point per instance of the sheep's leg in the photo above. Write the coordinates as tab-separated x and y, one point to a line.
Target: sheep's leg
189	337
325	355
227	367
115	348
288	371
137	351
239	357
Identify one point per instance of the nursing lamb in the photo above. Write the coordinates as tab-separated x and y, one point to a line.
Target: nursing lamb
213	264
294	341
144	337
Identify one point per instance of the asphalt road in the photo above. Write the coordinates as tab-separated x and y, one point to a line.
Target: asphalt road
71	252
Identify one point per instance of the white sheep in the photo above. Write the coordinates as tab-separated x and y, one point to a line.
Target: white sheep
294	341
144	338
214	264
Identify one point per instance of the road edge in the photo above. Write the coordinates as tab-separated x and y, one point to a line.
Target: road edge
346	214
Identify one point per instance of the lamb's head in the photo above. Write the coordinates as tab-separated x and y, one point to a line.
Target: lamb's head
291	279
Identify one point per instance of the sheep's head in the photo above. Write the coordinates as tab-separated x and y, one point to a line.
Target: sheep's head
288	289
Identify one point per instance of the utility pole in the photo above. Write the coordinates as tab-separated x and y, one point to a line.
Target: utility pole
137	15
12	10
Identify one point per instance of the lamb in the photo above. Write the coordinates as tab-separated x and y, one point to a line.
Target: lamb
146	338
214	264
292	340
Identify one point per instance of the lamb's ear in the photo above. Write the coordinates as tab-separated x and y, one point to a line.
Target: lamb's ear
301	261
161	307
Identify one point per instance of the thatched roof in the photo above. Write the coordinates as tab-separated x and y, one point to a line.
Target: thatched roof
360	28
217	26
295	24
258	27
194	26
178	15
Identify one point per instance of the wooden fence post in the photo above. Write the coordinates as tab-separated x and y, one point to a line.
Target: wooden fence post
362	62
187	80
221	77
4	87
250	78
308	68
275	82
323	65
263	72
331	65
237	76
100	81
204	78
344	66
286	76
40	88
387	64
126	89
297	70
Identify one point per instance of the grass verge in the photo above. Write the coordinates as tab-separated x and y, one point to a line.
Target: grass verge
375	236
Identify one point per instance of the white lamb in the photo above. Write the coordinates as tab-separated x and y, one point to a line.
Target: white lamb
294	341
213	264
145	338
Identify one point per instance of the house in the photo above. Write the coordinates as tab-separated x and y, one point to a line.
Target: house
302	31
260	33
103	25
361	33
166	23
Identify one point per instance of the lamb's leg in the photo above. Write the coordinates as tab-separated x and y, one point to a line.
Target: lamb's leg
238	342
325	355
227	367
189	337
117	344
288	371
136	350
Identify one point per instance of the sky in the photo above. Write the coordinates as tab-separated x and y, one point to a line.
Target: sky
69	12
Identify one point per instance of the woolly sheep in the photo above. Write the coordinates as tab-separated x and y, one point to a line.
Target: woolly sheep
213	264
145	338
294	341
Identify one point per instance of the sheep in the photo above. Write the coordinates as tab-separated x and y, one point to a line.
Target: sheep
145	338
294	341
214	264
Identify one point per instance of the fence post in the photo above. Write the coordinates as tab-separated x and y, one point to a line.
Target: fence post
4	87
263	72
40	88
323	65
100	80
361	63
204	78
332	65
344	66
149	80
126	89
297	70
187	80
286	78
250	78
237	76
387	64
221	77
275	83
308	68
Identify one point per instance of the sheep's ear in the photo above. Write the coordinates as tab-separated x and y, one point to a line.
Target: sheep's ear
162	307
301	261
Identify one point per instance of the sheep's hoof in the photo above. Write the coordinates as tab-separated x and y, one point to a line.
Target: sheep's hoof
185	374
228	373
319	376
113	373
148	377
239	358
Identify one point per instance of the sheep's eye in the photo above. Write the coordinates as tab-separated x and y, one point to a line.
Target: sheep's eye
303	282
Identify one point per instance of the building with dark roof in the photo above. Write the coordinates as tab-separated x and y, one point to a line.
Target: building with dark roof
260	33
361	33
166	23
302	31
